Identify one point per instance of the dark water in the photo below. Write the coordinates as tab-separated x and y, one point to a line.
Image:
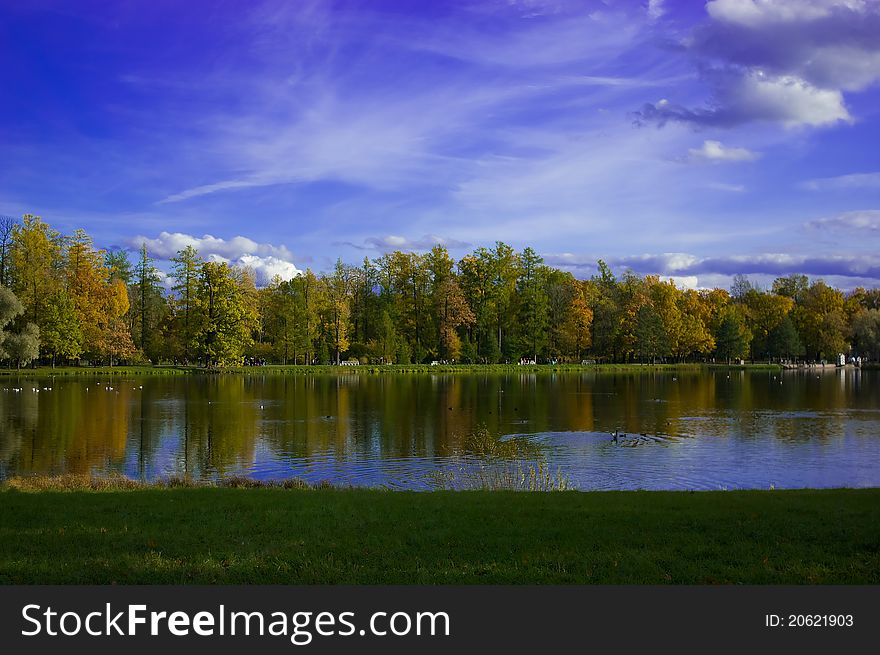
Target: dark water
704	430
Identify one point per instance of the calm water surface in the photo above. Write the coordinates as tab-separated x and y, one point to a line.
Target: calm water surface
703	430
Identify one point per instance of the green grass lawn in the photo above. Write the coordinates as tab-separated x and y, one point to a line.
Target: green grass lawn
334	536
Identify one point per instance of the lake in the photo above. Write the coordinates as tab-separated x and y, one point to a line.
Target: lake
684	430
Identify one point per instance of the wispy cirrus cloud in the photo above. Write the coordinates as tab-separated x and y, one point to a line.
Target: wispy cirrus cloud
866	221
392	242
315	124
656	9
843	182
376	126
725	186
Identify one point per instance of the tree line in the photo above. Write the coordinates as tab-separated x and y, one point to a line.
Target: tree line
62	300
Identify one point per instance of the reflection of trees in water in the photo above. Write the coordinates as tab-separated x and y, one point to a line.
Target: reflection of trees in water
218	429
61	429
212	425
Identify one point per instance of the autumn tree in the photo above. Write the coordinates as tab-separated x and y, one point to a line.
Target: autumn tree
86	280
452	312
578	322
35	257
821	322
116	342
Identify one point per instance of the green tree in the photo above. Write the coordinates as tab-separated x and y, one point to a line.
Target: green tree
650	335
732	337
784	341
20	348
62	338
606	308
23	347
187	269
338	309
148	308
226	320
765	311
7	224
866	333
119	265
534	303
793	286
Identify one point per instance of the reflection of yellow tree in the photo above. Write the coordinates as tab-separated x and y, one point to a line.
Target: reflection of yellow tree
71	433
224	430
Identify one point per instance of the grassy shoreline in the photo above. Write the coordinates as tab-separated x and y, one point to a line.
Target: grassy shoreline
148	535
278	369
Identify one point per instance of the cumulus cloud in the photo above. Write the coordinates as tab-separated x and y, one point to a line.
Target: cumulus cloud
851	181
392	242
167	245
754	96
786	61
715	151
266	260
857	221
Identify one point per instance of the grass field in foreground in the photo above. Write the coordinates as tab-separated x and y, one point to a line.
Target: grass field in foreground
335	536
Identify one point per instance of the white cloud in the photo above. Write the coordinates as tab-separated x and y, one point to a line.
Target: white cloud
392	242
324	123
715	151
267	268
724	186
850	181
785	61
656	9
167	245
857	221
760	13
683	265
755	96
788	99
265	259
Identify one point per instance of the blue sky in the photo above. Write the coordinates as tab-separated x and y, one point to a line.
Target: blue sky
689	139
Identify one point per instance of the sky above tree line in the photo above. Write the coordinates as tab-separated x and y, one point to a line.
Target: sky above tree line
694	140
